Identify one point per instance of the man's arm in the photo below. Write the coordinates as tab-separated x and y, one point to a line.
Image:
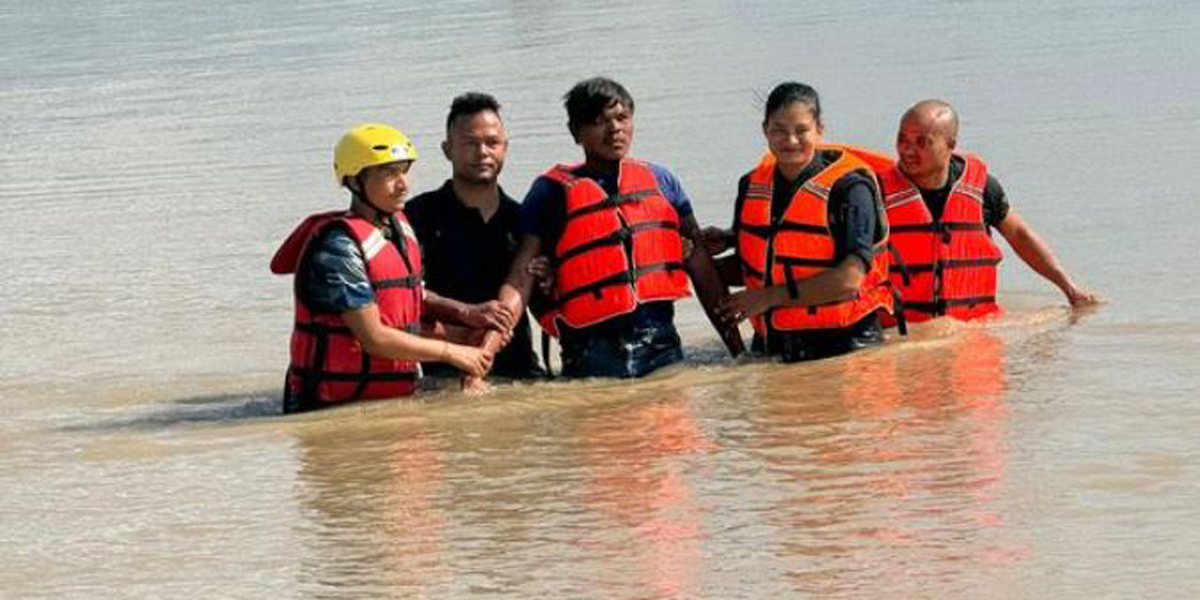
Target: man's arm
1036	253
490	314
831	285
513	296
710	289
381	340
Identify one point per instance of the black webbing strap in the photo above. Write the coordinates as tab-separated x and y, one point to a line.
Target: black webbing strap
750	270
899	266
805	227
615	238
898	310
939	307
612	201
364	377
760	231
793	261
792	289
622	278
409	281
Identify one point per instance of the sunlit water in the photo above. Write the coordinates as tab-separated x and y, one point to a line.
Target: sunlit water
154	154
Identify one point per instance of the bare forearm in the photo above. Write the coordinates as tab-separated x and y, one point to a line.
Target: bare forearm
1034	251
832	285
443	308
401	345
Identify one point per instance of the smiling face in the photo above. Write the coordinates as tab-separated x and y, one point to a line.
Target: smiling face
476	146
793	134
386	186
607	138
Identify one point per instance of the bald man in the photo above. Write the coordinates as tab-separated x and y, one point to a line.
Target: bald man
941	207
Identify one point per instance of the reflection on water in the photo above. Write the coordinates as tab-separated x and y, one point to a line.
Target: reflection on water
891	473
373	515
873	474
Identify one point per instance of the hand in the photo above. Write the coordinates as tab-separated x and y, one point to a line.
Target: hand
475	386
748	303
539	267
1081	298
488	315
715	239
473	361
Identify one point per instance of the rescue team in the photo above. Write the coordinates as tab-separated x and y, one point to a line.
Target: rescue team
831	244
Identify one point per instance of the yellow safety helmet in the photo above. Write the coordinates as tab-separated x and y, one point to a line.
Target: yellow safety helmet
368	145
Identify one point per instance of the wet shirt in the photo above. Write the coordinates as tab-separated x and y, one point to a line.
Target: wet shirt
543	214
995	203
467	259
853	223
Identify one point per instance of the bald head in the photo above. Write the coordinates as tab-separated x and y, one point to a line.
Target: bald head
926	140
936	117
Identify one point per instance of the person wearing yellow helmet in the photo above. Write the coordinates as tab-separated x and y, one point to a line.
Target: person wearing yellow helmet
362	314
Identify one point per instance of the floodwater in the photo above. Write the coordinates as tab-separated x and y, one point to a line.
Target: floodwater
154	154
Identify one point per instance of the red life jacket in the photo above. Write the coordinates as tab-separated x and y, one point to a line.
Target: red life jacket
615	252
328	364
950	264
800	245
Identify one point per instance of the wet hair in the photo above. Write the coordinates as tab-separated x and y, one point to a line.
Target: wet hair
470	104
590	97
790	92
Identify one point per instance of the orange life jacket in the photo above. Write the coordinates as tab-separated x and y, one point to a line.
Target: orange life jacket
328	364
615	252
950	264
800	245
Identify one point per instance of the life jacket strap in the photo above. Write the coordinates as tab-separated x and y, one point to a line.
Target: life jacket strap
410	281
612	201
613	239
622	278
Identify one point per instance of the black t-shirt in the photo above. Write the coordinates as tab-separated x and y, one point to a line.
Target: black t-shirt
467	259
853	222
995	203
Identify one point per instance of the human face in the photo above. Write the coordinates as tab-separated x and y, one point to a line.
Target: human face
386	185
924	151
793	134
476	146
608	137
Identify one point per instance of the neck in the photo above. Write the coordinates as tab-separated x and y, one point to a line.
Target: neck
483	196
933	180
790	172
601	165
364	209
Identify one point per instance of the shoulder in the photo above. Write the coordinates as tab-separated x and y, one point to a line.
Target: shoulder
671	188
336	240
542	189
426	202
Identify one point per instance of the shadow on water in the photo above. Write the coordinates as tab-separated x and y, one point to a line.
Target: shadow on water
199	409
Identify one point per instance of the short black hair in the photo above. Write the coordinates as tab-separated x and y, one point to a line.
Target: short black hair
590	97
470	103
790	92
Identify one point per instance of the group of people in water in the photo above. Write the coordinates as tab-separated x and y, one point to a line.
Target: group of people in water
830	243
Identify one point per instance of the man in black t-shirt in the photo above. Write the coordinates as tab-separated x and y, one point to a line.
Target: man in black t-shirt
925	148
467	228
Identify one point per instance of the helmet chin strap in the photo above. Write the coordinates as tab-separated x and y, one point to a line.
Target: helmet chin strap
359	195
